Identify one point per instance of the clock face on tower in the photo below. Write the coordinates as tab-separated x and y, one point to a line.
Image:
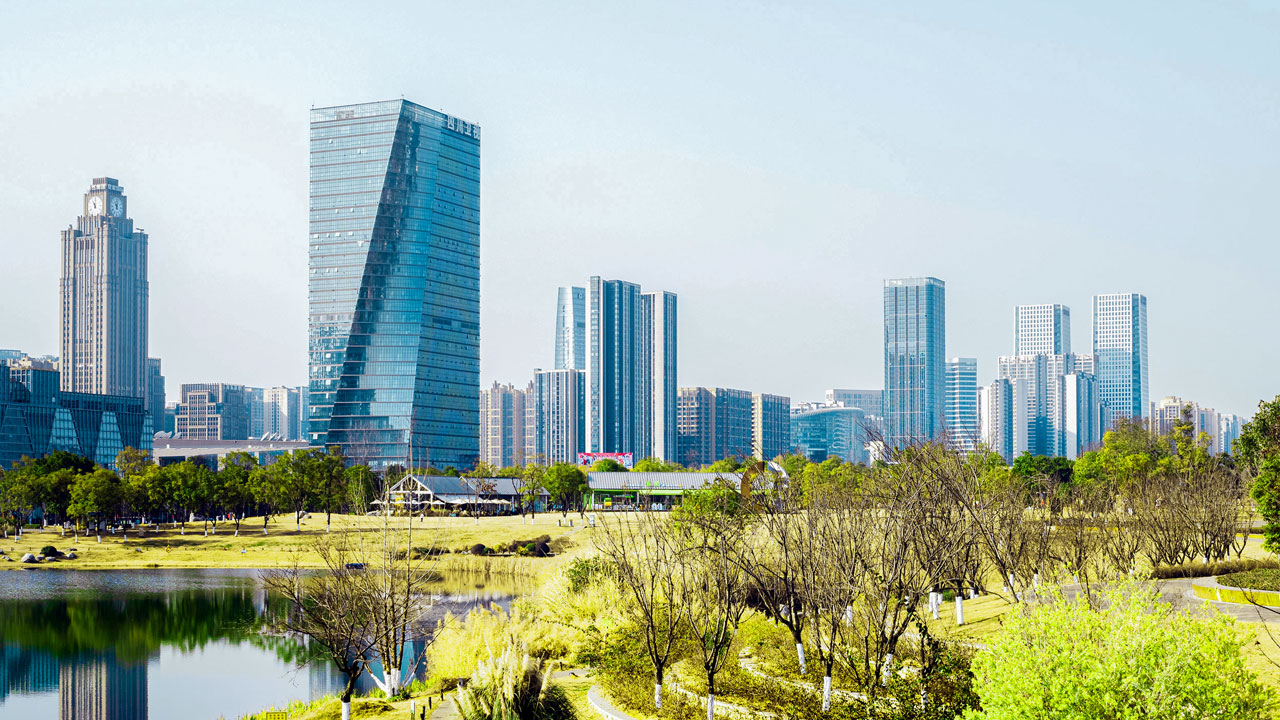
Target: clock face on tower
95	205
117	207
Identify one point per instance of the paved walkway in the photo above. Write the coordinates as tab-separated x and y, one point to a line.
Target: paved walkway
1178	594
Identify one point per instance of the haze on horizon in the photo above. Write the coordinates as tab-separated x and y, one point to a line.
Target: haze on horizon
770	165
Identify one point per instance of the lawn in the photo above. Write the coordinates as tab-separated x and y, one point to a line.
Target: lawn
169	547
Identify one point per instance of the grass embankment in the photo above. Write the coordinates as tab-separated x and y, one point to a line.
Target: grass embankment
168	547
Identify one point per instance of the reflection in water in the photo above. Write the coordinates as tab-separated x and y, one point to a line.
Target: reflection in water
92	637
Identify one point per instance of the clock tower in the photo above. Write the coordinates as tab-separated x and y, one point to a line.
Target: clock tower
104	296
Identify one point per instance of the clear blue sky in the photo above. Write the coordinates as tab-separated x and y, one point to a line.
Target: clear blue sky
770	165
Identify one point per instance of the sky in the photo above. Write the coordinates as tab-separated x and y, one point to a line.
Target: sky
771	164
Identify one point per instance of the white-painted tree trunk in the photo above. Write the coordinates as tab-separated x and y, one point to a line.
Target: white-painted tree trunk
346	710
657	695
800	656
711	707
959	610
886	671
826	693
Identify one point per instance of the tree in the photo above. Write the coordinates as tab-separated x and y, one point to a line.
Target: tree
238	470
653	464
93	496
293	476
531	486
1260	437
361	487
565	483
480	481
1135	658
644	555
607	465
265	485
131	462
330	482
190	488
328	608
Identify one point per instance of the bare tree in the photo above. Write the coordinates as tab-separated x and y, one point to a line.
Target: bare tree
328	608
712	594
644	554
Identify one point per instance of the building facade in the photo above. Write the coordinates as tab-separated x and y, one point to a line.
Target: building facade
820	431
870	401
995	418
1056	410
914	360
1042	330
571	328
394	285
37	417
962	403
770	425
660	324
714	423
155	392
631	370
502	418
1120	351
282	413
555	416
213	411
104	297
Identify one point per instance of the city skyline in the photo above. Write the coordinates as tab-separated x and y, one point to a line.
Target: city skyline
901	190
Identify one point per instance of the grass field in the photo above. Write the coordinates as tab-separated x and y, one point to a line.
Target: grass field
283	544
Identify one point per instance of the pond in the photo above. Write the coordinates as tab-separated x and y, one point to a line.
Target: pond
134	644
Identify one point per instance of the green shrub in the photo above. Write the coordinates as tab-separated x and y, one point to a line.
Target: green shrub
1264	579
1199	569
50	551
1137	657
582	571
479	549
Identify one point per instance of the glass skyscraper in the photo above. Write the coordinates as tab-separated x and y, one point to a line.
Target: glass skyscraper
1042	330
1120	353
571	328
394	284
914	360
962	403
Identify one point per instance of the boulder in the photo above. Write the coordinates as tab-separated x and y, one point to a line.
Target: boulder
71	556
29	558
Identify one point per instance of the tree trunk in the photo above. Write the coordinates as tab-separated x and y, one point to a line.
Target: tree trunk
657	687
826	693
799	651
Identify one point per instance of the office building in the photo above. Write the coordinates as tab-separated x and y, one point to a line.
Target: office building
660	324
104	298
257	409
631	370
37	417
394	285
914	360
714	423
1120	351
962	403
1056	410
155	392
555	416
213	411
502	418
571	328
1042	330
820	431
770	425
282	413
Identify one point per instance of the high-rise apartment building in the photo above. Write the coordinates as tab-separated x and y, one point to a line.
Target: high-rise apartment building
502	418
962	403
155	392
914	360
1228	432
394	286
660	323
1166	415
631	370
714	423
1055	406
555	415
571	328
770	425
104	297
1120	351
213	411
1042	330
995	414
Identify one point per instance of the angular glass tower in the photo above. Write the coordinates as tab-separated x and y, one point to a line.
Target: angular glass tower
915	387
571	328
394	285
